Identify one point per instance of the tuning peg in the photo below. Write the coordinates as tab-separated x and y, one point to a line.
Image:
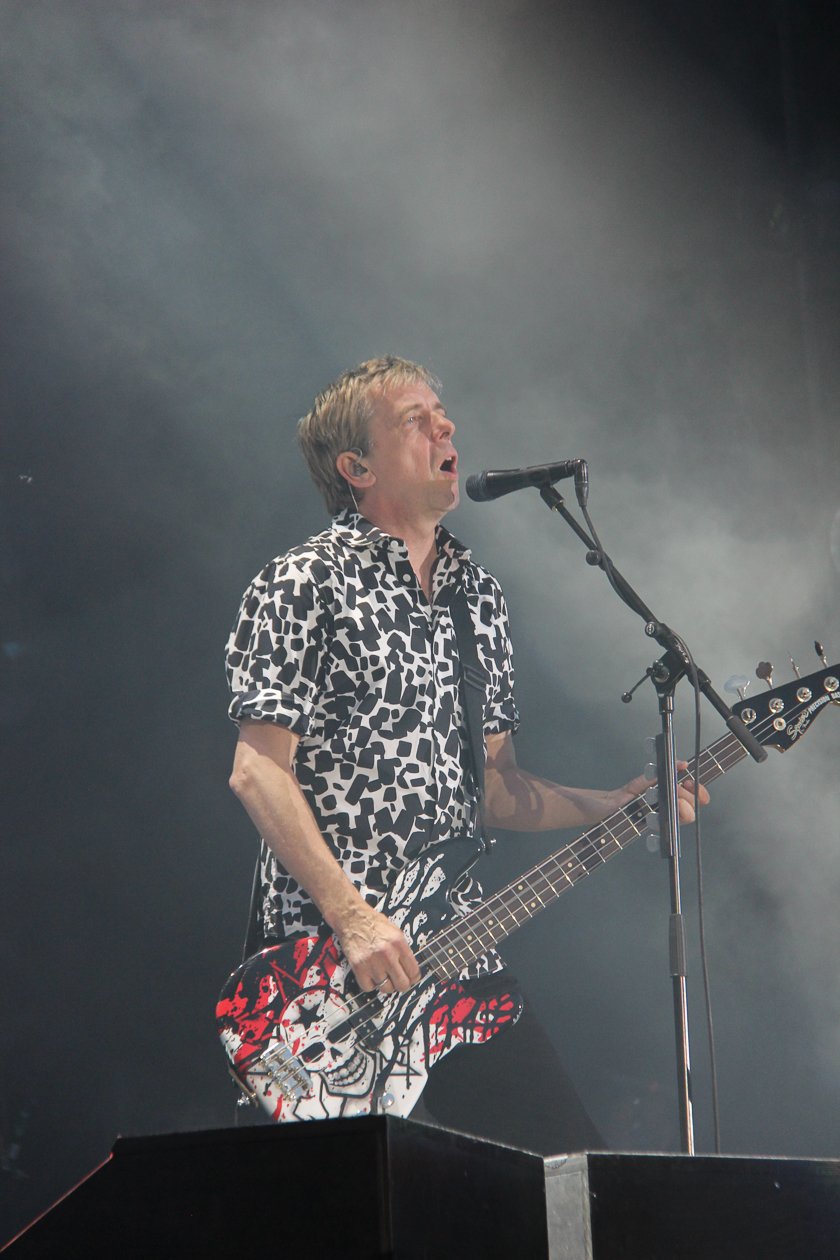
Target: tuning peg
653	837
737	685
764	670
820	651
794	666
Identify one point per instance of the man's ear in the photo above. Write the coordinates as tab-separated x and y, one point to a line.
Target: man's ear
352	469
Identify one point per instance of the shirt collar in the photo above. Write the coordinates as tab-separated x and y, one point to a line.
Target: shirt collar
360	533
357	531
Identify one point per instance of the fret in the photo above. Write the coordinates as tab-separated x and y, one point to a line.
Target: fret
504	915
704	764
519	917
592	861
723	755
541	887
570	867
597	840
528	896
636	816
452	951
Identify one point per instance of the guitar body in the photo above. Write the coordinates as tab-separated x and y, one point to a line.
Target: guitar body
306	1044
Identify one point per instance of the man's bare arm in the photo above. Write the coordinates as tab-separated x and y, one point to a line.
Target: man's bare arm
520	801
263	779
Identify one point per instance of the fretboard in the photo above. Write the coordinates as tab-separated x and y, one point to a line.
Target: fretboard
470	936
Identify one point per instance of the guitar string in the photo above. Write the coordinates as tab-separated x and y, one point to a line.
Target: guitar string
711	767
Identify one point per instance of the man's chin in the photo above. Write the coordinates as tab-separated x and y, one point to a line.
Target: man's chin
453	495
444	498
448	502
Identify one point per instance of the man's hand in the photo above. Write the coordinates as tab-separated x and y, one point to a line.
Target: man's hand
377	950
685	793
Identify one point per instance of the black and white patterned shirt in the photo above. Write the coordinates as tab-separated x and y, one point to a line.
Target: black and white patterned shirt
337	641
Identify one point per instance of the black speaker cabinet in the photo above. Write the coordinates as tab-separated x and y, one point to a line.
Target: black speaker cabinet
378	1186
680	1207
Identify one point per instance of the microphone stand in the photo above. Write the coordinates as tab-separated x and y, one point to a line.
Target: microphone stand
665	673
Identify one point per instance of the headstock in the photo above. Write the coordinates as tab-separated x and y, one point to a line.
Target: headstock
781	716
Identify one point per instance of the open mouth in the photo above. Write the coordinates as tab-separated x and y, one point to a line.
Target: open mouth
450	465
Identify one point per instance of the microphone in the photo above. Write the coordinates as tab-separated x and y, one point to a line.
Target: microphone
496	482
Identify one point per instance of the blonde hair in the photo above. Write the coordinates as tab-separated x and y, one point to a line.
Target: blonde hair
339	418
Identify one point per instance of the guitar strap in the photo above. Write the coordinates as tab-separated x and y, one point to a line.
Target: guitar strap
254	935
473	694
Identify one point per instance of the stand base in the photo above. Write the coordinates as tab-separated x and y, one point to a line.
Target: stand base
378	1186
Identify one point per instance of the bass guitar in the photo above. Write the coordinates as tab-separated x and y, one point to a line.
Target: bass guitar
305	1043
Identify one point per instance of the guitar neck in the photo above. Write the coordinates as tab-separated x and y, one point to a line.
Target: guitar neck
472	935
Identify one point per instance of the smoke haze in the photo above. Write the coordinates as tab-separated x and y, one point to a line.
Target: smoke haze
601	227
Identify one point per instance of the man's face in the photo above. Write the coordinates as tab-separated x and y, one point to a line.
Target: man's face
411	454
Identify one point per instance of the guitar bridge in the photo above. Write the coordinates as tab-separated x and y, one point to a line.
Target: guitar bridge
284	1070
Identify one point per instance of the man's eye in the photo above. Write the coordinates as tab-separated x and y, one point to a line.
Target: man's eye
412	419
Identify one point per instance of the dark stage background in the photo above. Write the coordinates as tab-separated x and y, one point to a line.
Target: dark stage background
612	229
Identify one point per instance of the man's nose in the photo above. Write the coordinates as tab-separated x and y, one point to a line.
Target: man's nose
444	426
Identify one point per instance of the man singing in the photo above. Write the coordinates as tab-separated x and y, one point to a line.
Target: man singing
353	755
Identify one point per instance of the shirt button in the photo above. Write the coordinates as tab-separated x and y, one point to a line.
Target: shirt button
406	577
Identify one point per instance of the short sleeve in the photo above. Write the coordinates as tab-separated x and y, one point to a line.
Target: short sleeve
494	644
277	649
501	713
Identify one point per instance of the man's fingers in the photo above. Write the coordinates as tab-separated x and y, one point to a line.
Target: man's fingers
686	792
380	955
400	971
686	800
395	980
407	963
403	975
